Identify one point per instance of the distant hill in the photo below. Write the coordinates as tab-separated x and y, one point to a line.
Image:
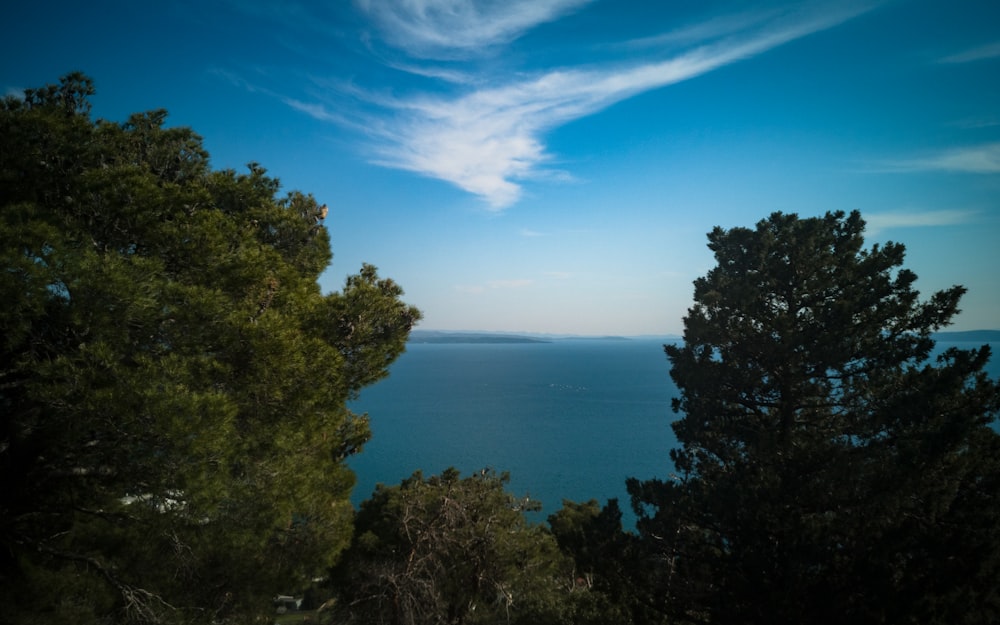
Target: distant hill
600	338
444	336
448	336
434	336
977	336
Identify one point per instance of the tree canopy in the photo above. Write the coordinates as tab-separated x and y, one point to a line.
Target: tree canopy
173	381
833	467
450	550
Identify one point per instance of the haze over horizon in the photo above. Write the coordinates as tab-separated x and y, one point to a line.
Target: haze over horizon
553	166
421	331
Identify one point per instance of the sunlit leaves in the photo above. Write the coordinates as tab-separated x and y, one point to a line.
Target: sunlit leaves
172	379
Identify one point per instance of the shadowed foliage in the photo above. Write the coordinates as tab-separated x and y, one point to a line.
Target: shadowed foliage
449	550
832	468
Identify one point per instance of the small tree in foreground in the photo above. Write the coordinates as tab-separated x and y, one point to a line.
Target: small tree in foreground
604	556
831	468
449	550
173	382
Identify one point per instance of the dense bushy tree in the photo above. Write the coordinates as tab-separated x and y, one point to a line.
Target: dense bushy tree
449	550
832	468
172	379
604	558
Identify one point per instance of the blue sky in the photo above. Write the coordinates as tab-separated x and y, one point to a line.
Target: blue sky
554	165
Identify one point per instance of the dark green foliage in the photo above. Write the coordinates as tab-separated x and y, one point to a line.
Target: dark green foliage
451	550
604	557
831	470
172	380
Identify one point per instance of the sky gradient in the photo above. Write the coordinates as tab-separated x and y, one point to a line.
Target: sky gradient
554	165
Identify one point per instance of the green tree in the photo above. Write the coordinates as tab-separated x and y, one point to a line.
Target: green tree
449	550
604	557
832	468
173	382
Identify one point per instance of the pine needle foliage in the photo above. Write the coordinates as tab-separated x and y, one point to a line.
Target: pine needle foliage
834	467
173	382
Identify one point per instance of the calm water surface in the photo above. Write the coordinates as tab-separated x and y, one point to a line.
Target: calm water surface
568	419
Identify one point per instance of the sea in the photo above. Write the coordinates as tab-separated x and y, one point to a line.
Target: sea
567	419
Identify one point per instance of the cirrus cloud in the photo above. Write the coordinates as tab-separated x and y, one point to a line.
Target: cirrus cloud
877	222
488	140
444	28
484	131
980	53
974	159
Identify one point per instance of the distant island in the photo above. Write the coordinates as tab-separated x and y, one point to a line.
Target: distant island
443	336
977	336
433	336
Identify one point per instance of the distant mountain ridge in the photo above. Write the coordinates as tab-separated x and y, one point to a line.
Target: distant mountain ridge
466	337
978	336
445	336
435	336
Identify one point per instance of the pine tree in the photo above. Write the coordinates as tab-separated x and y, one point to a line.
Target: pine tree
173	383
833	468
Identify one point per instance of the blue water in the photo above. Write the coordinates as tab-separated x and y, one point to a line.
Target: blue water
569	419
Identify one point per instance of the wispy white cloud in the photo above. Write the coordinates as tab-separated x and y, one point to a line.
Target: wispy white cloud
442	28
979	53
488	140
486	135
531	233
977	159
712	28
878	222
446	74
314	110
